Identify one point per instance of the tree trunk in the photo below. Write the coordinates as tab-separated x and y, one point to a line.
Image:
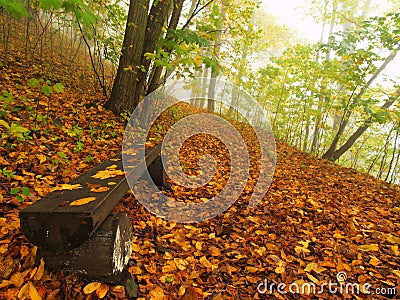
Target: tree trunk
124	95
173	24
329	154
216	50
353	138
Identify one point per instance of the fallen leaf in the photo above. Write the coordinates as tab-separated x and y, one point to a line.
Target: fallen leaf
370	247
375	261
40	270
105	174
393	239
135	270
91	287
102	291
82	201
67	186
100	189
33	293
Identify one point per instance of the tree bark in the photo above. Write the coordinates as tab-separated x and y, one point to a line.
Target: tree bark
124	95
173	24
360	130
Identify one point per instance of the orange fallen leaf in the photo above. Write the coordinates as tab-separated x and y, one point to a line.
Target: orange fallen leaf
102	291
82	201
40	270
33	293
67	186
91	287
105	174
135	270
370	247
100	189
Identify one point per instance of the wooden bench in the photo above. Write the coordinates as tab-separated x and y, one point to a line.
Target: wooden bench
88	239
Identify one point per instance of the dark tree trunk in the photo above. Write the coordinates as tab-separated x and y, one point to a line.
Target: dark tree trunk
360	130
125	94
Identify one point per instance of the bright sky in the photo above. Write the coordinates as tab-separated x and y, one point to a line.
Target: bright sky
291	13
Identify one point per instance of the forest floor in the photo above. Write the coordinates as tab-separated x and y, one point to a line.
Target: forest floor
318	224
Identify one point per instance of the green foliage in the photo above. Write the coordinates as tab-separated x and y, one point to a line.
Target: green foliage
79	9
14	131
14	7
6	173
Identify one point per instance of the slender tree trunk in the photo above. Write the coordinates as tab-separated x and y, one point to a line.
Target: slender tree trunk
393	156
329	154
173	24
214	74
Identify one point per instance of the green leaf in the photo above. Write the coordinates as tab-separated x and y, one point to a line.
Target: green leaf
61	154
45	89
14	7
25	191
14	191
33	83
51	4
58	88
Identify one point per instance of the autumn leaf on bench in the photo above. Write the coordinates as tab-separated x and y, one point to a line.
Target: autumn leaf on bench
82	201
97	188
109	172
66	186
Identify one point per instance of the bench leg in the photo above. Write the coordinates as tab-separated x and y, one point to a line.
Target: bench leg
102	257
157	171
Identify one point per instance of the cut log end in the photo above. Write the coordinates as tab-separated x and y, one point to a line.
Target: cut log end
103	257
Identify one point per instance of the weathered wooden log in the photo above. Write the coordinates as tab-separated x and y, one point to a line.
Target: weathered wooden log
102	257
54	225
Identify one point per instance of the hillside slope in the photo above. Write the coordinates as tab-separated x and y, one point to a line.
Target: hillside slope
317	223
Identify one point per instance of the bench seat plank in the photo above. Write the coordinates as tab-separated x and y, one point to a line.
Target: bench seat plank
53	225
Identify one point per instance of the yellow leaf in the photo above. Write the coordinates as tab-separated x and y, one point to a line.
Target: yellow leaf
91	287
105	174
67	186
40	271
102	291
392	239
82	201
369	247
181	290
251	269
5	283
299	250
112	183
180	263
374	261
100	189
311	266
33	293
280	269
338	236
42	158
312	278
157	294
397	272
135	247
